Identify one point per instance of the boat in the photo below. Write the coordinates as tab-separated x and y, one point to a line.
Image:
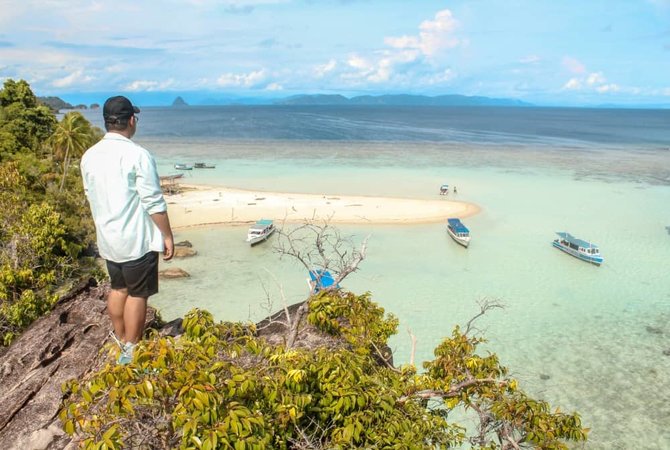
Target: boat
202	165
320	279
260	231
586	251
458	232
444	189
183	167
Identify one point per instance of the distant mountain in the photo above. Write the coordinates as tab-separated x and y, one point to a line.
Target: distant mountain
400	100
179	102
55	103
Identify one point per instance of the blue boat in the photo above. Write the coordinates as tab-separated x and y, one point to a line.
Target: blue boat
584	250
458	232
320	279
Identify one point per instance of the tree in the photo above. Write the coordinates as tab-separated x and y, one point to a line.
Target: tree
17	92
24	124
73	135
226	385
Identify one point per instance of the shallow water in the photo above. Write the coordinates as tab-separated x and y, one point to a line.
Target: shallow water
596	334
584	338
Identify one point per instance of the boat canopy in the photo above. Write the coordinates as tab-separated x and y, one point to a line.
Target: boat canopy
444	186
457	226
573	240
261	225
322	278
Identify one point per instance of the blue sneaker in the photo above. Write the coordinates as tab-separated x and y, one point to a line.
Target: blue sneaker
126	356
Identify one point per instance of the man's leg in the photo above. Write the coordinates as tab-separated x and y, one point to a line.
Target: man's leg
116	304
134	316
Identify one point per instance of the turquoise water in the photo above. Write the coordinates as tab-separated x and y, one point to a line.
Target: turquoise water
598	333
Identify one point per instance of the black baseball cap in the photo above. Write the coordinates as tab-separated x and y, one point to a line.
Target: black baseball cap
118	108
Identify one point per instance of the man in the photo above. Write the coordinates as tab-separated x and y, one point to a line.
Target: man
131	221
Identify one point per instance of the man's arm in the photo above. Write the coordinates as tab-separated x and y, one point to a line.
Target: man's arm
162	221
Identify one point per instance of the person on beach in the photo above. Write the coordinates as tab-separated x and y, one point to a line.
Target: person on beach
131	221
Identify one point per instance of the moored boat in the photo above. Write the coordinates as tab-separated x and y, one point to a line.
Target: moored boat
584	250
260	231
202	165
458	232
183	166
444	189
320	279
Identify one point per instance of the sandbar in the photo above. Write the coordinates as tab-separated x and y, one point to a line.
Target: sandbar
199	205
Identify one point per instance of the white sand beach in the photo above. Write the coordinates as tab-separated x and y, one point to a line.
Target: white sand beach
208	205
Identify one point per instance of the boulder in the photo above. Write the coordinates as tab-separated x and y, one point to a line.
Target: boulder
184	252
173	272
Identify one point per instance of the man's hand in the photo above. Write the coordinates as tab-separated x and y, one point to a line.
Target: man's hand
162	221
168	252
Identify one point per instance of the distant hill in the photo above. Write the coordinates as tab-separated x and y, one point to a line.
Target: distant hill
400	100
55	103
179	102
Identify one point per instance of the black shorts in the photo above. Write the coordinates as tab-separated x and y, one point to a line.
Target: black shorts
139	276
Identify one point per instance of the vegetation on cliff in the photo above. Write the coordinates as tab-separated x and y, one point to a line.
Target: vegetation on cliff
221	385
46	225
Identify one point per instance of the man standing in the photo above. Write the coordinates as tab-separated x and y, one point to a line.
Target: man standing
131	221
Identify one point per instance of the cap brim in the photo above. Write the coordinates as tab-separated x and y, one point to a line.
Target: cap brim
136	109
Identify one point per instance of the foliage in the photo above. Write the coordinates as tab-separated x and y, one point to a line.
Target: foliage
73	135
220	386
46	224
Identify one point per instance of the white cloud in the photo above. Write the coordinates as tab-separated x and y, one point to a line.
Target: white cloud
75	78
434	35
274	87
148	85
608	88
439	78
572	84
573	65
595	79
251	79
321	70
530	59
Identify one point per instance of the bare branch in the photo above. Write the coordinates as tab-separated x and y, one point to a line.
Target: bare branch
485	305
412	352
454	391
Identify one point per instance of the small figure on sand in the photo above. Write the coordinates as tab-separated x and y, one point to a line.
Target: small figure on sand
455	191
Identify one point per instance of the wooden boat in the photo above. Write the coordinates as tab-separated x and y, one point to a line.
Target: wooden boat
202	165
584	250
458	232
320	279
183	167
260	231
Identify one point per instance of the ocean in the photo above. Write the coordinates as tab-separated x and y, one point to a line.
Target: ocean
585	338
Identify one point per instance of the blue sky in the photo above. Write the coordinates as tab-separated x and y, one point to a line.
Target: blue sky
566	52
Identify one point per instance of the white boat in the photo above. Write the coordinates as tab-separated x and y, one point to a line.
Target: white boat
458	232
584	250
260	231
183	167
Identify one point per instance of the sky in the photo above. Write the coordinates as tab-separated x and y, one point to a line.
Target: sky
562	53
